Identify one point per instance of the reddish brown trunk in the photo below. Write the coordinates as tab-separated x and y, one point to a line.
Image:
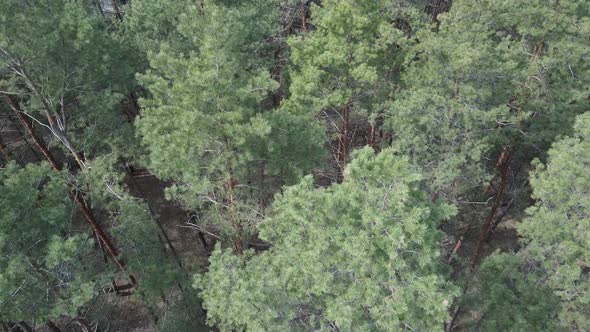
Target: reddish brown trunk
26	123
303	18
24	137
342	153
488	224
499	219
455	250
372	139
75	195
499	163
108	245
231	183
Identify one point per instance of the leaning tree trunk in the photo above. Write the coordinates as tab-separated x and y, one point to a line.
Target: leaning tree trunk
52	326
485	230
75	195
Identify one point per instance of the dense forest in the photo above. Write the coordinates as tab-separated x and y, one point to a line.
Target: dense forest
294	165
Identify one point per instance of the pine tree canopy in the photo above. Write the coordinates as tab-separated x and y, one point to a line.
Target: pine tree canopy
294	165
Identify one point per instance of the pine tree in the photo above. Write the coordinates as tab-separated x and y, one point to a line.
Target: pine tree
69	74
556	232
545	285
47	269
509	295
66	75
345	68
205	126
495	73
361	255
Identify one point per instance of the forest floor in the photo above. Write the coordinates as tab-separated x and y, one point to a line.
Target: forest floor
129	313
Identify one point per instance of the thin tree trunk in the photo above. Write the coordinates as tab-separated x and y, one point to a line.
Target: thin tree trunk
499	219
237	241
24	136
22	326
303	18
26	123
61	135
97	3
455	249
372	139
75	195
82	324
203	240
342	153
55	120
52	326
4	151
488	224
117	10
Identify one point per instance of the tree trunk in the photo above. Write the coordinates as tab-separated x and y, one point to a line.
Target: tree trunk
372	139
21	326
98	5
75	195
343	143
23	135
204	242
62	137
82	324
488	224
118	13
499	219
52	326
26	123
4	152
303	18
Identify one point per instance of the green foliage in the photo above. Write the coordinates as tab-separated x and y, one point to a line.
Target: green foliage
361	255
45	270
545	285
557	231
510	296
494	74
64	62
205	126
150	23
136	232
350	56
